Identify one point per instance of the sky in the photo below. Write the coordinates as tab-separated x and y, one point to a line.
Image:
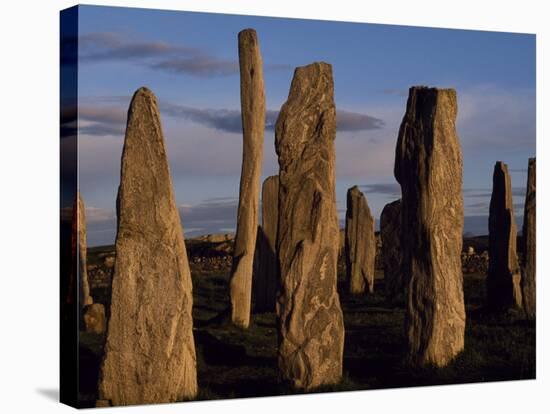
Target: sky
190	61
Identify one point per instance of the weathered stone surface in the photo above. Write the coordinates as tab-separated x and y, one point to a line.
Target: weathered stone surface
150	351
428	165
94	318
390	233
360	243
84	286
528	278
503	276
310	322
253	119
265	281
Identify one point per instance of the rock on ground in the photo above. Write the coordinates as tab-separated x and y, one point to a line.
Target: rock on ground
428	166
94	318
253	120
504	276
310	322
150	350
528	279
360	243
395	285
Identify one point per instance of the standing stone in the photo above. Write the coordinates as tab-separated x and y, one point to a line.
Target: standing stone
94	318
253	120
528	279
310	321
504	276
85	298
428	165
266	276
150	351
360	243
390	233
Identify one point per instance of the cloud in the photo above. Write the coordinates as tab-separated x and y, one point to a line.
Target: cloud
101	47
389	189
103	118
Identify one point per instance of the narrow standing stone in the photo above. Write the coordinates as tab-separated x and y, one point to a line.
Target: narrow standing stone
360	243
253	119
85	298
528	279
150	351
428	165
310	321
504	276
390	232
266	277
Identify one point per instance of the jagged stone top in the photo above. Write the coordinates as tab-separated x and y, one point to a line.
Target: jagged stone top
248	37
310	107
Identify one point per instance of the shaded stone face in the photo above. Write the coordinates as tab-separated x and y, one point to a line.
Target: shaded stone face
528	278
84	286
94	318
504	276
253	119
265	281
428	166
390	233
150	351
360	243
310	322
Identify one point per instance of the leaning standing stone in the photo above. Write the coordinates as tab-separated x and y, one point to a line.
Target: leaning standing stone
503	276
390	233
150	351
428	165
360	243
528	279
253	119
310	322
266	276
84	286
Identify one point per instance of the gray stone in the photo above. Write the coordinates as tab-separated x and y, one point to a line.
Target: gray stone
428	166
360	243
84	285
150	350
395	285
310	321
528	278
504	276
253	119
266	277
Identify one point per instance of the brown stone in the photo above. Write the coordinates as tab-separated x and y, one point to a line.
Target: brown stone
428	166
528	278
253	120
150	351
504	276
360	243
395	285
265	290
94	318
310	321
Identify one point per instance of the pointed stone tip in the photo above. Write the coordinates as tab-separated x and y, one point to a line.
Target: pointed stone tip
143	92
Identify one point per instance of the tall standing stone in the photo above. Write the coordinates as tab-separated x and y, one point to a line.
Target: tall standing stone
150	351
253	120
428	165
504	276
266	276
84	287
360	243
310	321
390	232
528	278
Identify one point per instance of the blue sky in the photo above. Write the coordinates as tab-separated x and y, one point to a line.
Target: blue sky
189	60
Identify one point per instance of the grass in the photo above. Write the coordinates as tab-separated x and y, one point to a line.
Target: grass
233	363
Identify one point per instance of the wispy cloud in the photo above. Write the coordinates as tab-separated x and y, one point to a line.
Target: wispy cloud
101	47
390	189
99	116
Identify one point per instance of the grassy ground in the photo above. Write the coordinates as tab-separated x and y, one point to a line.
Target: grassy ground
242	363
